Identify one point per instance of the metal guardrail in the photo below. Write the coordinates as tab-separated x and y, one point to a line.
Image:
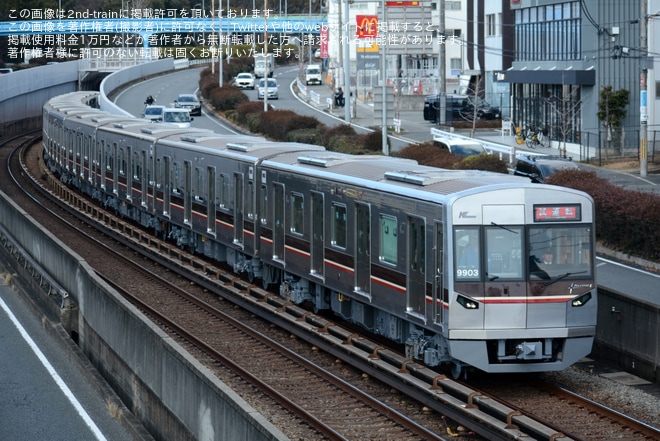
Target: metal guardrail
491	147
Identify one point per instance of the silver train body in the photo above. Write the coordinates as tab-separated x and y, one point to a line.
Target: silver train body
448	263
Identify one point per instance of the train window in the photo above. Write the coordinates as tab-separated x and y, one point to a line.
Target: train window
504	253
137	167
297	213
199	184
251	203
175	184
158	173
339	225
388	242
224	191
122	162
467	254
264	205
560	251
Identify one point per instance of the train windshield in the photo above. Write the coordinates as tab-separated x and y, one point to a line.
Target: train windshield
559	252
553	252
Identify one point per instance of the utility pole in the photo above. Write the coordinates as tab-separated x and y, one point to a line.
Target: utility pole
643	80
383	82
347	67
442	57
266	58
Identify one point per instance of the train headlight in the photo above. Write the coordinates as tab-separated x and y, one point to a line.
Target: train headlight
467	303
582	300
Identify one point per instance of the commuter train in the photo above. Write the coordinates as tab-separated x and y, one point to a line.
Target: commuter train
464	268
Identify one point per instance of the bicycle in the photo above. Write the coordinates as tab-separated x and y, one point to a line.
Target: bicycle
535	138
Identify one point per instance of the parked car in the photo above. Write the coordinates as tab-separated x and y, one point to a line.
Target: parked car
461	147
244	80
270	89
189	101
539	168
177	117
153	113
458	108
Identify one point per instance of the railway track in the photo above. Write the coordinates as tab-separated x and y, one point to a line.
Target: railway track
518	423
317	403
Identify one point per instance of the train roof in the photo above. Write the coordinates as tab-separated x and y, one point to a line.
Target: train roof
389	174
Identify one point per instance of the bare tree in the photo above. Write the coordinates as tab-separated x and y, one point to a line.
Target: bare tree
566	109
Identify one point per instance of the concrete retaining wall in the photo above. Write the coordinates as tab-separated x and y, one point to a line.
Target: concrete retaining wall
628	334
172	394
24	92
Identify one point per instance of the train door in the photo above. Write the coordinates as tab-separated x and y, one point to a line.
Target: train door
238	209
439	293
187	192
317	234
278	222
210	209
362	248
167	186
416	286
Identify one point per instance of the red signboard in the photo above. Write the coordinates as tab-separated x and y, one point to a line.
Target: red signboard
324	41
366	26
556	213
403	3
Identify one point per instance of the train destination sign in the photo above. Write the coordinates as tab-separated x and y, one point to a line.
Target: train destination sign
557	213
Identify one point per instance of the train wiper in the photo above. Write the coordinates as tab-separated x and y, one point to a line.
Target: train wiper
563	276
490	279
504	228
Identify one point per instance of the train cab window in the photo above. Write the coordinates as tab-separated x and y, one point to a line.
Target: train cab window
388	240
467	254
297	213
339	225
560	251
504	253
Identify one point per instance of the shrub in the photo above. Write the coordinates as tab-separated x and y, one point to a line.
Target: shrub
305	136
483	161
227	97
277	123
247	108
626	220
344	144
330	132
429	154
373	141
207	82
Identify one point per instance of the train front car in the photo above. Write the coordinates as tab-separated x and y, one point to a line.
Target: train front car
522	288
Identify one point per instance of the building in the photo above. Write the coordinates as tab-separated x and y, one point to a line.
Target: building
565	53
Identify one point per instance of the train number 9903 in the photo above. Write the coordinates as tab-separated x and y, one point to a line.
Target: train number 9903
469	273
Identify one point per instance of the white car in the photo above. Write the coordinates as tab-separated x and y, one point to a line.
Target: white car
271	89
177	117
153	113
244	80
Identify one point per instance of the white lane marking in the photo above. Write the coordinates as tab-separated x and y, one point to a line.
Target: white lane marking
648	273
51	370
